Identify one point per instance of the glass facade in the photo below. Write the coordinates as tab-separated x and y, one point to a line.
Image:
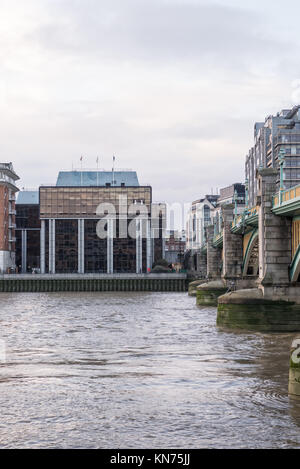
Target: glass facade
81	202
27	220
124	253
66	246
69	218
95	249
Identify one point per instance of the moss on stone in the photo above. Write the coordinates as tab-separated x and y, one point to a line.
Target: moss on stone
192	289
263	316
209	297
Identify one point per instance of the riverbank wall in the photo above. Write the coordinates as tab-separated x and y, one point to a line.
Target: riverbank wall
93	283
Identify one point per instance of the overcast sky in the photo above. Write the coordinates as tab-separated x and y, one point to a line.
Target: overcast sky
171	87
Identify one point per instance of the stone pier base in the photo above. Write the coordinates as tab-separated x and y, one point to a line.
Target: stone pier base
209	292
294	376
249	309
193	286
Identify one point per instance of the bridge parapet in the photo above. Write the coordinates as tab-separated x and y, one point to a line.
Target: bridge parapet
218	239
287	202
249	217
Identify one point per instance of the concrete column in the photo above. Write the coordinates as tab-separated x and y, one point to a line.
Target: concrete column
110	246
42	247
81	246
275	234
152	246
163	255
148	245
214	255
232	246
24	251
52	246
139	246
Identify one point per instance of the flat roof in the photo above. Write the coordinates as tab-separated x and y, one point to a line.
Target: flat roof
28	198
97	178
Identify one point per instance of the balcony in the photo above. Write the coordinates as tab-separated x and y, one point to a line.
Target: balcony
12	226
12	211
12	239
287	137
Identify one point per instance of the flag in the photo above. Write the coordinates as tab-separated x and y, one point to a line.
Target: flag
114	158
81	158
97	160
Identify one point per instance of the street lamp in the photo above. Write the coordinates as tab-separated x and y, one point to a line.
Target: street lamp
246	192
235	198
281	159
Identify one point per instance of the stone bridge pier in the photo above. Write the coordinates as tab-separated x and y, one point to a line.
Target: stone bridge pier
232	248
208	292
197	269
214	255
225	264
275	238
274	305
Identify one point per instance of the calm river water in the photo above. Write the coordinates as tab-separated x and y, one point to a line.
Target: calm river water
143	370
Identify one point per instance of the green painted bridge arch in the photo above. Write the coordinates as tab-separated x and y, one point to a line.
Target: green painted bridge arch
295	267
247	227
287	204
294	271
250	253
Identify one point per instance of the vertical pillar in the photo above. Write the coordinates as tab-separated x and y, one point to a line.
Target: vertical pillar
81	246
24	251
110	246
152	246
42	247
275	234
232	246
148	245
202	263
214	256
163	246
139	250
52	246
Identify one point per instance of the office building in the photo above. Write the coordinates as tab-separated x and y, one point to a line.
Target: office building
99	222
199	216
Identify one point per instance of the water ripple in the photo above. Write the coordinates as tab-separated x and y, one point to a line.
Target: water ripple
138	370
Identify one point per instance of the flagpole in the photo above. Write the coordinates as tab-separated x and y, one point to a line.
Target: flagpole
113	171
81	171
97	170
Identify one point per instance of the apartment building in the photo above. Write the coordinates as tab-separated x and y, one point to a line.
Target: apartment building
8	190
276	133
